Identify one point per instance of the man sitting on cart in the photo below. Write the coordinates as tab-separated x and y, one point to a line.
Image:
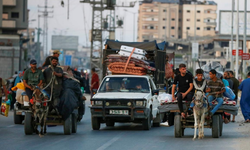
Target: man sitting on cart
215	88
185	86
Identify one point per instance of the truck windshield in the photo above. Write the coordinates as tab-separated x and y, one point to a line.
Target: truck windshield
125	84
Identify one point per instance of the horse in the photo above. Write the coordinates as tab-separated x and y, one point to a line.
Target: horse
200	108
40	110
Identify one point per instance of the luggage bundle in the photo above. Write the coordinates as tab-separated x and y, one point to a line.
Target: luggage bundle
129	60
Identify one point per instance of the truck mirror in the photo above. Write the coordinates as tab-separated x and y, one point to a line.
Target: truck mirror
94	91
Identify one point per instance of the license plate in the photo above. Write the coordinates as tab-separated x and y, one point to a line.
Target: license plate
118	112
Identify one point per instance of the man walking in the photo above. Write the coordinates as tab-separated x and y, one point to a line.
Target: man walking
215	88
94	81
31	78
56	53
185	86
3	84
235	88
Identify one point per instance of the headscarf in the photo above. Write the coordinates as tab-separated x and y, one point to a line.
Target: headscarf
18	79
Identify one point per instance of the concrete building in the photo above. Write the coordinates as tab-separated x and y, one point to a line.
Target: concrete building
167	20
13	17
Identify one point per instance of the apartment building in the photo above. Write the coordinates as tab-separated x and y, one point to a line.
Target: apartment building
165	20
13	17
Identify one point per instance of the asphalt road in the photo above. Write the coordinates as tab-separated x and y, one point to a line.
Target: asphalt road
236	136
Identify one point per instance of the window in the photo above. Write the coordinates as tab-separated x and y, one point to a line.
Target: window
163	27
188	28
179	11
179	28
5	15
151	27
188	19
198	11
152	19
188	11
14	15
207	28
172	27
172	36
198	20
198	28
164	19
152	10
179	36
164	10
208	20
173	19
179	20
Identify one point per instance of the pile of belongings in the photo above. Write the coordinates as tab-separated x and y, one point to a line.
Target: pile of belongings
129	60
21	96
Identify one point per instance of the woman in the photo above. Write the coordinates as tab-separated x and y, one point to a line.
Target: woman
18	79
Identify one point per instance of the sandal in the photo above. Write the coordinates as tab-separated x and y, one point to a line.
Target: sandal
233	121
247	121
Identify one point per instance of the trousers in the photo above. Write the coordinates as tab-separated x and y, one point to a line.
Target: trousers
188	97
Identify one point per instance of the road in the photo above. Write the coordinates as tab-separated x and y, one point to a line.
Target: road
236	136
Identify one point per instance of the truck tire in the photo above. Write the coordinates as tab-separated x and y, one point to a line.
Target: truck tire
95	123
28	124
67	126
18	119
110	123
158	120
171	119
221	124
177	126
74	123
146	123
215	126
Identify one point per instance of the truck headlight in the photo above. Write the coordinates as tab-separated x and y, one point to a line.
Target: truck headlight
139	103
129	103
98	102
107	103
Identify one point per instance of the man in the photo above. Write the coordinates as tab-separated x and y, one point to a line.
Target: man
57	84
235	88
227	77
94	81
3	83
215	88
245	98
56	53
185	86
32	77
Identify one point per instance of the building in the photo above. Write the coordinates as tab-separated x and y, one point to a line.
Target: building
13	17
168	20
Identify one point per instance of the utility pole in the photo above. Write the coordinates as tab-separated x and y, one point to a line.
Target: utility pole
244	42
232	32
45	15
237	43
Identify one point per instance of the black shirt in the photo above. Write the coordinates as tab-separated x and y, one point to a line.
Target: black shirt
183	82
48	75
200	83
231	83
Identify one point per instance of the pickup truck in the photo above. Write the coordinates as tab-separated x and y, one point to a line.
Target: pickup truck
125	98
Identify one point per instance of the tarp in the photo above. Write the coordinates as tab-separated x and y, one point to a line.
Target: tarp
116	45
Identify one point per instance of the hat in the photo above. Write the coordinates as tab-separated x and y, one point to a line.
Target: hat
33	62
56	52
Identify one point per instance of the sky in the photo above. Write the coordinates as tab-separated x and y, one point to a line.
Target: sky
79	22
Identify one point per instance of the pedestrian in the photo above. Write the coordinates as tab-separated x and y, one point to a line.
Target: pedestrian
18	79
94	81
87	83
56	53
3	84
245	98
226	76
215	88
32	77
235	88
185	87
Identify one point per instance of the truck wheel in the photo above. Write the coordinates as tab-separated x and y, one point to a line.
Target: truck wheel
74	123
67	127
215	126
157	120
18	119
110	123
221	124
146	123
171	119
177	126
95	123
28	124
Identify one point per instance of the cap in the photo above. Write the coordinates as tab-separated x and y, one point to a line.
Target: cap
56	52
33	62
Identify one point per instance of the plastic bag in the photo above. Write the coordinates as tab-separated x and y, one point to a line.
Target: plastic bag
165	97
229	93
5	106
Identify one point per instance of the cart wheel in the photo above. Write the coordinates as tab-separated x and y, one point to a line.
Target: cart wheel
74	123
221	124
18	119
110	123
28	124
95	123
177	126
157	120
67	127
146	123
171	119
216	126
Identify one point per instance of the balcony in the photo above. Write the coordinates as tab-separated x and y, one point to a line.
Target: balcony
9	2
8	24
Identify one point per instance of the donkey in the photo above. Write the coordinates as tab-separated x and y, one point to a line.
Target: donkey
199	109
40	110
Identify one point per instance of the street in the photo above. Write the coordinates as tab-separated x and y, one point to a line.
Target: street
126	136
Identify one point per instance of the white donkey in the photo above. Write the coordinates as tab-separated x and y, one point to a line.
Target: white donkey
199	109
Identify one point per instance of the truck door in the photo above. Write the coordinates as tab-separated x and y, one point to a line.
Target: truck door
155	102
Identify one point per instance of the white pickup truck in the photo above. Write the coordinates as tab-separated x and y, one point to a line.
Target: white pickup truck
125	98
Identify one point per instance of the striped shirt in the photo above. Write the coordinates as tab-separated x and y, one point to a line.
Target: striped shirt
215	86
